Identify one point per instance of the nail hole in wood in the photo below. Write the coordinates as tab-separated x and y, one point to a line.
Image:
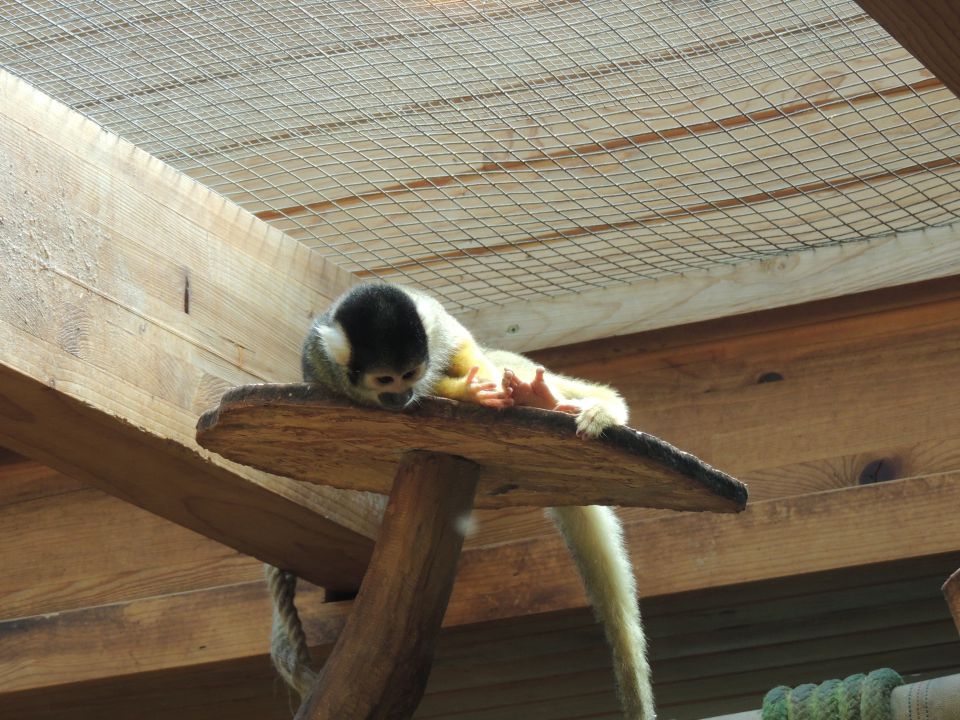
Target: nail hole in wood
880	470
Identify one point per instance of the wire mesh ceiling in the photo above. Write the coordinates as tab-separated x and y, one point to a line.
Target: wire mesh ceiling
493	150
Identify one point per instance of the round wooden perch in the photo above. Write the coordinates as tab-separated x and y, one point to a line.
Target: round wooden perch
436	461
526	456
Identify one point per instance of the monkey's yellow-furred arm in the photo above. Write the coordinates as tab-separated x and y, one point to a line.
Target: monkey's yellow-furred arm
456	383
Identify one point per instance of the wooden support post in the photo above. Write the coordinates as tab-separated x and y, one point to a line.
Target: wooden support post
381	661
451	456
951	591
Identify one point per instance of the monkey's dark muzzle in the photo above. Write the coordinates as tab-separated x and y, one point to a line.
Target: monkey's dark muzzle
396	401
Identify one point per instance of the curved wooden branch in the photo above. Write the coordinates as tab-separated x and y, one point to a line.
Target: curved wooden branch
379	666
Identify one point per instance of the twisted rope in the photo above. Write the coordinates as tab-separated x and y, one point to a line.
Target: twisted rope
857	697
288	642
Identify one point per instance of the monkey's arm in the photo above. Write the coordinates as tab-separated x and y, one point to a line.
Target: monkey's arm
471	377
596	406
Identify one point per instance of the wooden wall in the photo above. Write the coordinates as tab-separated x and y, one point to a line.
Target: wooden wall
841	404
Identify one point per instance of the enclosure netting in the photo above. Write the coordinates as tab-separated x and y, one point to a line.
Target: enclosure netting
495	150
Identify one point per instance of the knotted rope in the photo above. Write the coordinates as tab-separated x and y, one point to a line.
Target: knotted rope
858	697
288	643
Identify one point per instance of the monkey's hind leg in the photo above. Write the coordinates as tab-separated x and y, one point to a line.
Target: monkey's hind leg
595	539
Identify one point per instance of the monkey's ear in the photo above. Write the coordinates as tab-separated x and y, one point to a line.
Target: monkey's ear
336	342
427	310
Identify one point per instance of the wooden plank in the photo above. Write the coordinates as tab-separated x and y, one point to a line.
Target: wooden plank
490	527
177	483
24	480
930	29
84	548
730	290
850	137
113	342
85	642
132	648
773	539
803	399
866	384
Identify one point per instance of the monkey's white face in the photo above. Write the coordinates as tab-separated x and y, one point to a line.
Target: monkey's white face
391	389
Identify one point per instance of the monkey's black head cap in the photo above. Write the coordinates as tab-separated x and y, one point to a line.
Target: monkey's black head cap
383	327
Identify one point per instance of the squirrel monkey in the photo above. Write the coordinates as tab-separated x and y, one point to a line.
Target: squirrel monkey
386	345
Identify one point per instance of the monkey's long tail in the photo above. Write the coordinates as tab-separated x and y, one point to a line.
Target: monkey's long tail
595	539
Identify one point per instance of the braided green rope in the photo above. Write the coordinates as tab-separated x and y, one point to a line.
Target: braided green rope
857	697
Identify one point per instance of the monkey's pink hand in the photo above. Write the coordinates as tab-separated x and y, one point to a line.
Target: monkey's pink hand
530	394
488	394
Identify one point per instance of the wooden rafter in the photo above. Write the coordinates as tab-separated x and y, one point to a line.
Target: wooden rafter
776	539
729	290
130	298
930	29
874	371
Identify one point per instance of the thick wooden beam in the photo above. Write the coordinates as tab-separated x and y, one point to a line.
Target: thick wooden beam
688	551
82	548
22	480
930	29
130	298
796	400
727	290
775	540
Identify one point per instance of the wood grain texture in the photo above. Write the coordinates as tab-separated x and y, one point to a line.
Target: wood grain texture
930	29
729	290
547	667
647	140
880	367
526	456
85	548
869	382
772	539
379	666
112	341
178	483
149	635
24	480
794	400
228	623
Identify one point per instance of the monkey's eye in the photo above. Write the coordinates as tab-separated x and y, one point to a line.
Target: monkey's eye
384	380
409	374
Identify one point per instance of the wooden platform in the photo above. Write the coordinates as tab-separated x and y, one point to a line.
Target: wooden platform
528	456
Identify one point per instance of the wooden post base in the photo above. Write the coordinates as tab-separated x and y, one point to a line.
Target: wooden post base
379	667
951	591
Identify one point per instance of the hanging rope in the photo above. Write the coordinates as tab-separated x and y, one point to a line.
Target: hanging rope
288	643
858	697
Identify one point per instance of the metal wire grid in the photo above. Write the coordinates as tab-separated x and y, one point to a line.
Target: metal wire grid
492	151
